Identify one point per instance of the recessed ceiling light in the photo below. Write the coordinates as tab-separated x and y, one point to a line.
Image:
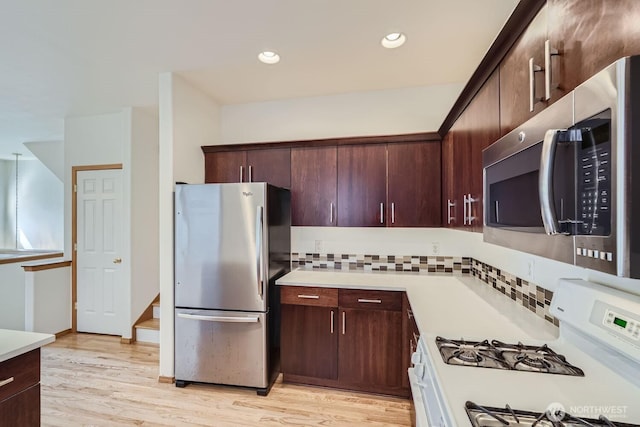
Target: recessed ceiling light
269	57
393	40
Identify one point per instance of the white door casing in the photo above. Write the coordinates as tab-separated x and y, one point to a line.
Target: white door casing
100	287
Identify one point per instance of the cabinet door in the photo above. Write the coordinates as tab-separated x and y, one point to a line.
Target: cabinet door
589	36
362	180
483	126
22	409
369	349
514	75
225	166
414	185
309	341
450	209
314	186
271	165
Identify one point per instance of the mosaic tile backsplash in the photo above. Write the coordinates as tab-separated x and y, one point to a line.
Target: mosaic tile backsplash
401	263
527	294
522	292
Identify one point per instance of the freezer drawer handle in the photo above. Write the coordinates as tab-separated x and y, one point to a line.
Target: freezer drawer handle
227	319
309	296
371	301
5	382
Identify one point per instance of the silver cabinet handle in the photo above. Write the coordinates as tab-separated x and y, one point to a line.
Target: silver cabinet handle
259	260
344	322
250	174
224	319
7	381
464	209
548	53
497	212
331	213
545	181
381	213
470	217
450	217
117	260
332	314
241	173
533	69
370	301
309	296
393	213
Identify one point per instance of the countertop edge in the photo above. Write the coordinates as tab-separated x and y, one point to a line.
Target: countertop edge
25	348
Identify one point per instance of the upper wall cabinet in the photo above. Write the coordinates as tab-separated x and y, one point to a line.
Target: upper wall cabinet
362	185
314	185
476	128
589	35
270	165
414	190
522	78
566	43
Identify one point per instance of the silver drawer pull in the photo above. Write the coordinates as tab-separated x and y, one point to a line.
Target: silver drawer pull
5	382
371	301
309	296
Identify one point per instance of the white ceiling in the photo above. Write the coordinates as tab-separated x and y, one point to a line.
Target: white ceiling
75	57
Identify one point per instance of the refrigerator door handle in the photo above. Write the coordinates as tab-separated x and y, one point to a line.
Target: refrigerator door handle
259	260
227	319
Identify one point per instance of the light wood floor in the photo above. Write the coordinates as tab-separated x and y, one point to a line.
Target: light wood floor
94	380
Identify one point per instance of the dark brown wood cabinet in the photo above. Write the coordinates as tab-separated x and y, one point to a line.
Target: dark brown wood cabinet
413	183
20	398
272	165
369	349
410	335
514	75
362	180
476	128
589	35
343	338
314	186
309	342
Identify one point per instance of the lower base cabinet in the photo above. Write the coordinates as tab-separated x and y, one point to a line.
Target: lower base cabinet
344	338
20	390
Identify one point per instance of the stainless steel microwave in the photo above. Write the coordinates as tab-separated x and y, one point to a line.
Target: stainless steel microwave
563	184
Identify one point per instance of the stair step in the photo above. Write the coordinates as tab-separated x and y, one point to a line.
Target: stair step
149	324
148	331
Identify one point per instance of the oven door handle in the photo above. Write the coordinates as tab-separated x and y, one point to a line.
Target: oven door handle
545	182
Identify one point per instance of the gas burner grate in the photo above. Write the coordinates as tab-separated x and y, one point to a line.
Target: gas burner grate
483	416
499	355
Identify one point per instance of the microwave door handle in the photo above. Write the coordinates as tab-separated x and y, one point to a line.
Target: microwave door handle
545	183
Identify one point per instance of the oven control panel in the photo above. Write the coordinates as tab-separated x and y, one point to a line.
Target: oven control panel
622	323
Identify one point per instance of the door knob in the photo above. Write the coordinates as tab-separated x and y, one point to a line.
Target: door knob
117	260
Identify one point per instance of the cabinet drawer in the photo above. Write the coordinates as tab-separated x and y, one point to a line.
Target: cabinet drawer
375	300
19	373
305	295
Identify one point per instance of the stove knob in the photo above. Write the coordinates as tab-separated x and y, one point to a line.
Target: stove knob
416	358
419	369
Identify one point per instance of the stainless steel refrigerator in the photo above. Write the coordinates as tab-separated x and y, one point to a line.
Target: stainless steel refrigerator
232	241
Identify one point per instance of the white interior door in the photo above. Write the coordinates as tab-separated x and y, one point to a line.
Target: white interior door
99	264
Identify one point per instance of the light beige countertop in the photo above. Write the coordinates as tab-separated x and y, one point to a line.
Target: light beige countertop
15	343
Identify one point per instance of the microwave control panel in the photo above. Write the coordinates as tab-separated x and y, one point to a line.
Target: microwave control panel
594	179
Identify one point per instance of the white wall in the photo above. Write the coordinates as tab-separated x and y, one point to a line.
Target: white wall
50	153
48	300
12	296
40	206
144	211
188	119
385	112
447	242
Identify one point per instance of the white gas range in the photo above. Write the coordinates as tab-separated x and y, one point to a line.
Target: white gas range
591	369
